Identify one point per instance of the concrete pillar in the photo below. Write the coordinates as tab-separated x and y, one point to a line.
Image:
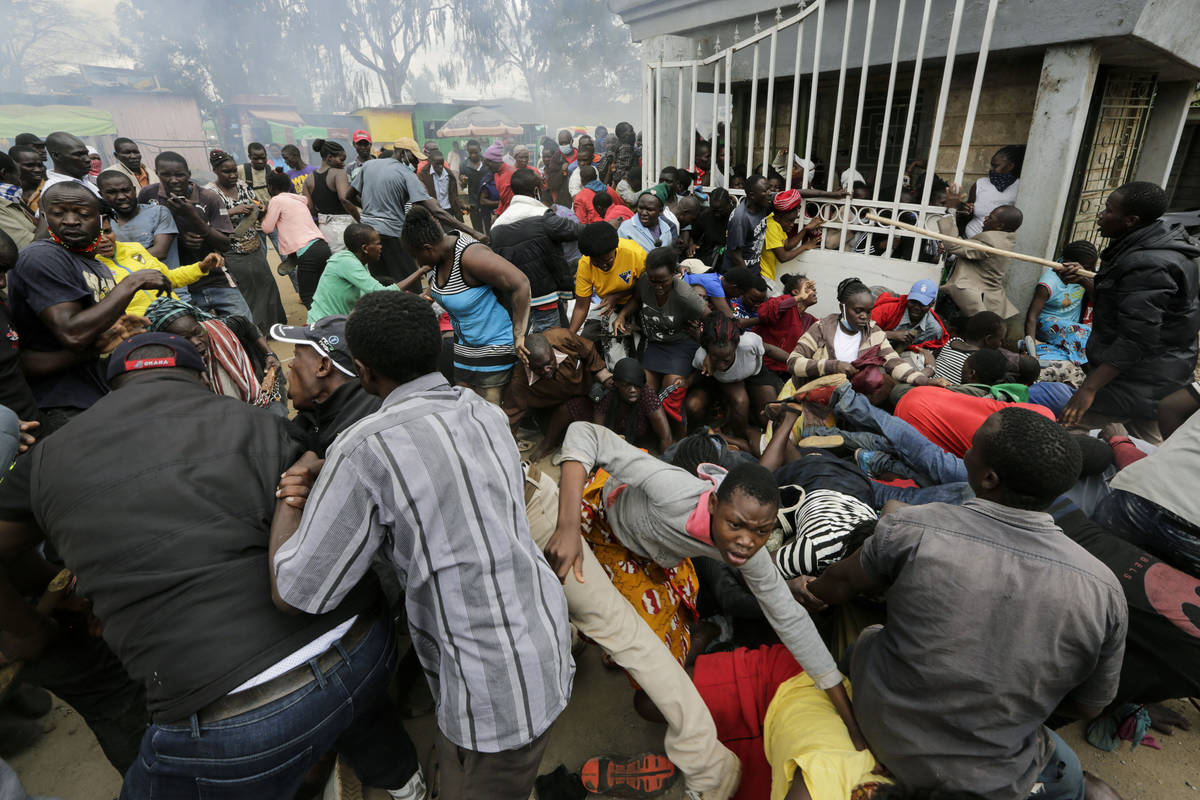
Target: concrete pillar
1055	138
1167	117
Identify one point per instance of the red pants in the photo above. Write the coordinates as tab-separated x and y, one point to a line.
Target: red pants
737	687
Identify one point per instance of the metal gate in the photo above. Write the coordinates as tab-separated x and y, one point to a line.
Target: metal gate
872	120
1116	144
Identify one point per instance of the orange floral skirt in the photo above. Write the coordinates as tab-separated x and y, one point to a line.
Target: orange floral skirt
664	598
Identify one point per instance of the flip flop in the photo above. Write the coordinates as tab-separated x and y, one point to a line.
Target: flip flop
645	775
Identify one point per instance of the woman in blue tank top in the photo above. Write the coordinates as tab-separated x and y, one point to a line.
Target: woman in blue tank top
465	281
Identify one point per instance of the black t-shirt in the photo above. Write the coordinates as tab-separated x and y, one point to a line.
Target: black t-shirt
474	176
1162	648
48	274
817	469
14	390
212	209
709	232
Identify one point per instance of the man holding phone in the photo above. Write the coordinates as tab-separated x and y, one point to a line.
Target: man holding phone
204	227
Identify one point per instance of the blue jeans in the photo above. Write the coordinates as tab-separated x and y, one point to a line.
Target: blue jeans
543	319
954	494
1153	528
906	441
274	237
265	752
1062	779
222	301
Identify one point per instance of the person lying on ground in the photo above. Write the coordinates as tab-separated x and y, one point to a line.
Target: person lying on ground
970	712
562	367
670	516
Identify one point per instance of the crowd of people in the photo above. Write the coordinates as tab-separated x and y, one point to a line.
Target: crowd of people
882	553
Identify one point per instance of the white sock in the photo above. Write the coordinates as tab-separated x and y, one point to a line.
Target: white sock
413	790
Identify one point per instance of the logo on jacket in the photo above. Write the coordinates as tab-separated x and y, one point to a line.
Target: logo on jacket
627	276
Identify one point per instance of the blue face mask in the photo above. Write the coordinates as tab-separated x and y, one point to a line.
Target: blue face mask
566	149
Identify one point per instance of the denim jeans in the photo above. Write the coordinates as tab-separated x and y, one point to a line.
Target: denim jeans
222	301
906	441
1151	527
265	752
274	237
953	493
1062	779
543	319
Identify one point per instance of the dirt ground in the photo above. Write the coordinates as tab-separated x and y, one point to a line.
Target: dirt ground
67	763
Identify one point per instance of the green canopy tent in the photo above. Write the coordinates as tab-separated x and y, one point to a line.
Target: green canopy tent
44	120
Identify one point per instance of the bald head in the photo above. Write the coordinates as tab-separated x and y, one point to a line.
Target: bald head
1004	218
69	154
687	210
542	363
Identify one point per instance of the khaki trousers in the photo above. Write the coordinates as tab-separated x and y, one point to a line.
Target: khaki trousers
603	614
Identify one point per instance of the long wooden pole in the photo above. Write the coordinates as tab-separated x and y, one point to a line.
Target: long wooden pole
1045	262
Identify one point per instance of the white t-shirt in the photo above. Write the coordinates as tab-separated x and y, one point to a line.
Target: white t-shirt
845	345
747	360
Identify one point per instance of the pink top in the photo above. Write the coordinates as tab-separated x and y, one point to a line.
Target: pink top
288	213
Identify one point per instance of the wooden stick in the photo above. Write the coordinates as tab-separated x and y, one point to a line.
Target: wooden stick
1054	265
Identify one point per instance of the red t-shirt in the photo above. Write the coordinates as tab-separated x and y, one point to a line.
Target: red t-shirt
504	187
950	419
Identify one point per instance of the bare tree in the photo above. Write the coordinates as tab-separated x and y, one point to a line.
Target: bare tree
384	37
35	31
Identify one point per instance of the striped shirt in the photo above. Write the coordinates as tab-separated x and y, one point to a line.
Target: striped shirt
433	483
813	355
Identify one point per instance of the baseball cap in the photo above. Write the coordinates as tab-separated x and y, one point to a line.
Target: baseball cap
360	136
923	291
185	355
327	336
695	266
408	143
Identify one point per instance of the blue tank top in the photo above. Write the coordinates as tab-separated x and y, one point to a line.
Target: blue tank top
483	334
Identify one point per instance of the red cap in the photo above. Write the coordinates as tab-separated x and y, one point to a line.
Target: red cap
360	136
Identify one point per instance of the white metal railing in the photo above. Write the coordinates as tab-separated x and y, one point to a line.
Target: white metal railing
846	215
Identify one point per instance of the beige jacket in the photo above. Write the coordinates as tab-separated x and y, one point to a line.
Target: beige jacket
977	282
150	176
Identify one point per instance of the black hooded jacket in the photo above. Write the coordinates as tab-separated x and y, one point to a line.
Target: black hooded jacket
1146	318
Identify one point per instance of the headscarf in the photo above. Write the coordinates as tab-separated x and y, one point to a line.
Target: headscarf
786	201
596	186
96	166
230	372
165	310
495	152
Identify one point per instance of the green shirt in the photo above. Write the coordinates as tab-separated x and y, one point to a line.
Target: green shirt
344	280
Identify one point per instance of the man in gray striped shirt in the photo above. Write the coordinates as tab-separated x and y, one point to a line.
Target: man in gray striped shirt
433	483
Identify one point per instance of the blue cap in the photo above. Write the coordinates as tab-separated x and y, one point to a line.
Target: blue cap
923	291
185	354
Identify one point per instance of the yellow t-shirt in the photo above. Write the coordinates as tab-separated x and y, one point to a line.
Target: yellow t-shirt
775	237
131	257
628	266
802	730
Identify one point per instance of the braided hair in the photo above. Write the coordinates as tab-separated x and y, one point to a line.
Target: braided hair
719	331
694	450
421	228
850	287
218	157
1081	251
327	147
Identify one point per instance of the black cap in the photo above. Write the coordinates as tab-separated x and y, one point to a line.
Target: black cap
629	370
327	336
186	356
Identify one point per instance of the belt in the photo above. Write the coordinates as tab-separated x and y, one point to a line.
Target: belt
295	678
